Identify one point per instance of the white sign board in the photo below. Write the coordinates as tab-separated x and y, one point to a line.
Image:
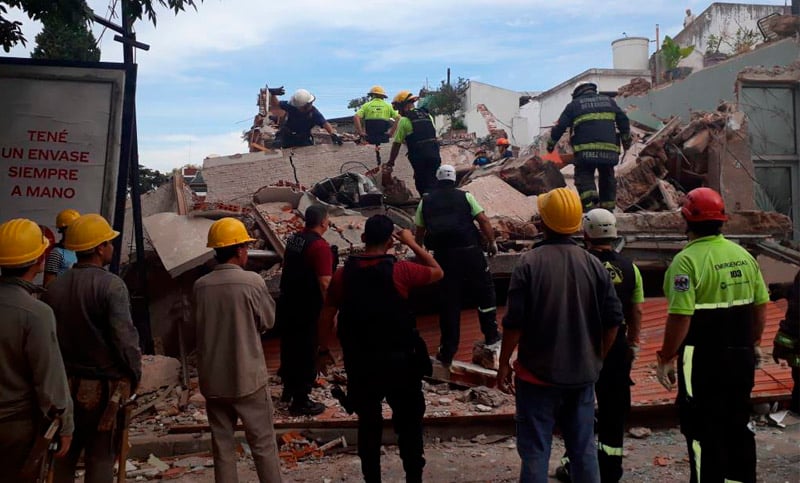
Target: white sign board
59	140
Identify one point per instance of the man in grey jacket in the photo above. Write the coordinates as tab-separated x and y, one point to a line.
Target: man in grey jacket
563	313
232	309
33	383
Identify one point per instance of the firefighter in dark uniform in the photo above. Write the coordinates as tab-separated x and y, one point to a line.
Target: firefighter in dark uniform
307	270
384	357
613	388
717	312
786	344
598	126
417	130
445	221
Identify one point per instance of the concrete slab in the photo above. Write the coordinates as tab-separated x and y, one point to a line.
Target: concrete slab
498	198
179	241
349	228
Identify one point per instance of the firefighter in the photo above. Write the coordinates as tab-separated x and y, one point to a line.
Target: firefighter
503	150
60	259
32	378
232	307
417	130
301	117
445	222
307	270
786	344
598	126
613	388
375	120
100	346
717	311
384	357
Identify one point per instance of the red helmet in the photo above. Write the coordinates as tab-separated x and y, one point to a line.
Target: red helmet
703	204
503	142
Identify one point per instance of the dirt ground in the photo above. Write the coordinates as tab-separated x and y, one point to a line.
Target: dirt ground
660	457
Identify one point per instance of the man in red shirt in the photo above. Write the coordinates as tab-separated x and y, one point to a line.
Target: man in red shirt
307	270
383	354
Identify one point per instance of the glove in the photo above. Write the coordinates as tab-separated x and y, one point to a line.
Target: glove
626	142
551	145
277	91
337	140
666	372
492	249
386	175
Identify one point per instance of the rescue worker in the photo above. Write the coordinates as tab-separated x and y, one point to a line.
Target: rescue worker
503	150
301	117
481	159
445	221
386	359
378	117
563	313
33	383
786	344
99	344
59	260
613	388
417	130
307	270
598	126
232	308
717	311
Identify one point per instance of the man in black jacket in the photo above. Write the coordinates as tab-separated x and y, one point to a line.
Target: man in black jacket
598	126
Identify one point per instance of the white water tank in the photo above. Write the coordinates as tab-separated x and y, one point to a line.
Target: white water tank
631	53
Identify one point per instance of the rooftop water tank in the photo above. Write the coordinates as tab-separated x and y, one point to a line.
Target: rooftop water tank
631	53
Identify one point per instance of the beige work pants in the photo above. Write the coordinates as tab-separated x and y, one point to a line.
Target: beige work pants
255	412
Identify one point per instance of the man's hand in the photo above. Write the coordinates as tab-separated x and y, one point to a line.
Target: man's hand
66	441
551	145
405	237
666	372
337	140
277	91
492	248
505	378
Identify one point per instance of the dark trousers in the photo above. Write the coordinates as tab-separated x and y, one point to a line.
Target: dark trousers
465	273
298	351
425	173
587	189
613	391
100	446
392	376
289	139
16	441
714	403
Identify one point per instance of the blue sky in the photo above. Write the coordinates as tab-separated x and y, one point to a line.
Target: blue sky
198	83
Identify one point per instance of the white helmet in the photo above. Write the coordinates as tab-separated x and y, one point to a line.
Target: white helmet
599	224
583	86
446	173
301	97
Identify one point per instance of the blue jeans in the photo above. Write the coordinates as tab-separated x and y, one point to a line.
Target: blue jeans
539	408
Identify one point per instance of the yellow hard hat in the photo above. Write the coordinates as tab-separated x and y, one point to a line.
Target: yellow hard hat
227	232
65	217
21	243
561	210
404	96
87	232
378	91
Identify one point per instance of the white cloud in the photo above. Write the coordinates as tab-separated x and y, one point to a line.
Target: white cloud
167	151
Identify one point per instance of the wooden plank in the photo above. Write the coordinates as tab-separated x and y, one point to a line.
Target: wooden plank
177	182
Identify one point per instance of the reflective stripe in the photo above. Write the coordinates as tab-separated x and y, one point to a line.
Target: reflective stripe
489	309
688	352
565	461
609	205
609	450
723	305
696	451
785	340
595	147
594	116
732	481
589	194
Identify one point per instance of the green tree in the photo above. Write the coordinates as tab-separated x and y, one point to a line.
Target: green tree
60	40
448	100
150	179
74	12
356	103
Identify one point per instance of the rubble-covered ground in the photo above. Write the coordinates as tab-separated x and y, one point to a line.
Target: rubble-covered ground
661	456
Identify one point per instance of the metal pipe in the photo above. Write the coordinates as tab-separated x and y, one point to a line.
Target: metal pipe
265	255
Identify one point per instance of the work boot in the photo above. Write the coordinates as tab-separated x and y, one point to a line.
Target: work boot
286	396
446	360
306	407
497	337
562	473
